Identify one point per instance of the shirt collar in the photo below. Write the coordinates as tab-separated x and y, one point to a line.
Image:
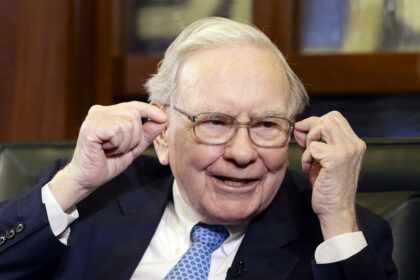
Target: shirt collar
188	217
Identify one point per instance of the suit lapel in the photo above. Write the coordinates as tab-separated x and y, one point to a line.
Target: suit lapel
120	238
122	231
271	247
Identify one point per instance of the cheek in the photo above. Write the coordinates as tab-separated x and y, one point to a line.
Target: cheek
189	169
276	163
189	160
275	160
185	149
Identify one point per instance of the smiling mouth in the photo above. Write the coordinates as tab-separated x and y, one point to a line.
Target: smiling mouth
234	182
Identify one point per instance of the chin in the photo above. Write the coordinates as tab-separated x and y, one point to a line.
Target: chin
229	216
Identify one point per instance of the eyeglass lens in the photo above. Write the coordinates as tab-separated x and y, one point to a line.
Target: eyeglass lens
219	129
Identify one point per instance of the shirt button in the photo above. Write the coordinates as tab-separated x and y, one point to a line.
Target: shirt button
177	251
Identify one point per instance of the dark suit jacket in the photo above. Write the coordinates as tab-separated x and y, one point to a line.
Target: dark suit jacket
118	221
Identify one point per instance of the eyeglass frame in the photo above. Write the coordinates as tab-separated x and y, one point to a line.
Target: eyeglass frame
194	118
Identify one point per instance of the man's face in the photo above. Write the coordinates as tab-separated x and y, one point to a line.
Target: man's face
231	183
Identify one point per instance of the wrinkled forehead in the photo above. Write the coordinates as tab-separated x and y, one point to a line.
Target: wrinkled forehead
233	76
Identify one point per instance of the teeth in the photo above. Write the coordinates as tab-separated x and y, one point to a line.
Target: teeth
235	183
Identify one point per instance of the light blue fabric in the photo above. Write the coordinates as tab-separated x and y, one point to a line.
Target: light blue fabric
195	263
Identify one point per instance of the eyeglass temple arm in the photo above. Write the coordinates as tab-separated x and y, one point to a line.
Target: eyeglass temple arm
191	118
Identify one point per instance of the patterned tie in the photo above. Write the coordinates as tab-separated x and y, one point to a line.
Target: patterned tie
195	263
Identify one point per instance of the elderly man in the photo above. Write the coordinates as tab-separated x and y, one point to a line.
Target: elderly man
223	105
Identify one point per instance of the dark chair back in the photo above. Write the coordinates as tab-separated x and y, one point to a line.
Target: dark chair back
389	185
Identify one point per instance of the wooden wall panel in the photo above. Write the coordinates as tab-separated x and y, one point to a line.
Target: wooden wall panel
47	67
33	68
80	57
106	47
7	58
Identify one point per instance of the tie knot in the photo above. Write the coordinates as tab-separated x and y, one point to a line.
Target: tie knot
210	236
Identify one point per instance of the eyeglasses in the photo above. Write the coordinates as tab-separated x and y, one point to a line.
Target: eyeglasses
219	128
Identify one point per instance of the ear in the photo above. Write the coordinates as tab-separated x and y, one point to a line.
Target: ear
160	143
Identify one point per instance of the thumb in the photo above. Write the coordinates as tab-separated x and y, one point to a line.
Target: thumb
152	129
300	138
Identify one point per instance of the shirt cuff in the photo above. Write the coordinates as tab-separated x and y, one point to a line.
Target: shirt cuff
340	247
58	219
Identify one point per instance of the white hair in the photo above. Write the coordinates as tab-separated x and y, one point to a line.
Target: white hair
210	33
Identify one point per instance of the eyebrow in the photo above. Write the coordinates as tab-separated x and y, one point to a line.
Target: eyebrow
209	109
270	112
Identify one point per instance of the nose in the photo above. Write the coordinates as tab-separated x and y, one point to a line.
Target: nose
240	149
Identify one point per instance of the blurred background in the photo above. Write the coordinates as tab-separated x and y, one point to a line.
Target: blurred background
59	57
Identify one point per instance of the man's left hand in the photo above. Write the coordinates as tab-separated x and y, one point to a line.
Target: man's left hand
332	155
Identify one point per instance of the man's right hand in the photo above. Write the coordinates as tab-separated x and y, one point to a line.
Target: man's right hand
110	138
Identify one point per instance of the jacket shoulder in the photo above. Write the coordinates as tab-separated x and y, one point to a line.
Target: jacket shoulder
143	173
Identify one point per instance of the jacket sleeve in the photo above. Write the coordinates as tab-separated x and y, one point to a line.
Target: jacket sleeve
373	262
27	245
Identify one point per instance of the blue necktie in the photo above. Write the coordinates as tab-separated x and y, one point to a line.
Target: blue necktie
195	263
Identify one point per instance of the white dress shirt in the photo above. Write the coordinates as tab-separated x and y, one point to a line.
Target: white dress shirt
172	239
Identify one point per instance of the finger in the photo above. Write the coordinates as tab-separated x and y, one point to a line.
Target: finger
118	128
132	119
342	123
154	114
131	115
151	130
128	135
300	138
107	146
307	161
315	152
316	134
136	133
112	143
301	130
307	131
331	128
306	124
149	111
101	132
121	138
319	150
